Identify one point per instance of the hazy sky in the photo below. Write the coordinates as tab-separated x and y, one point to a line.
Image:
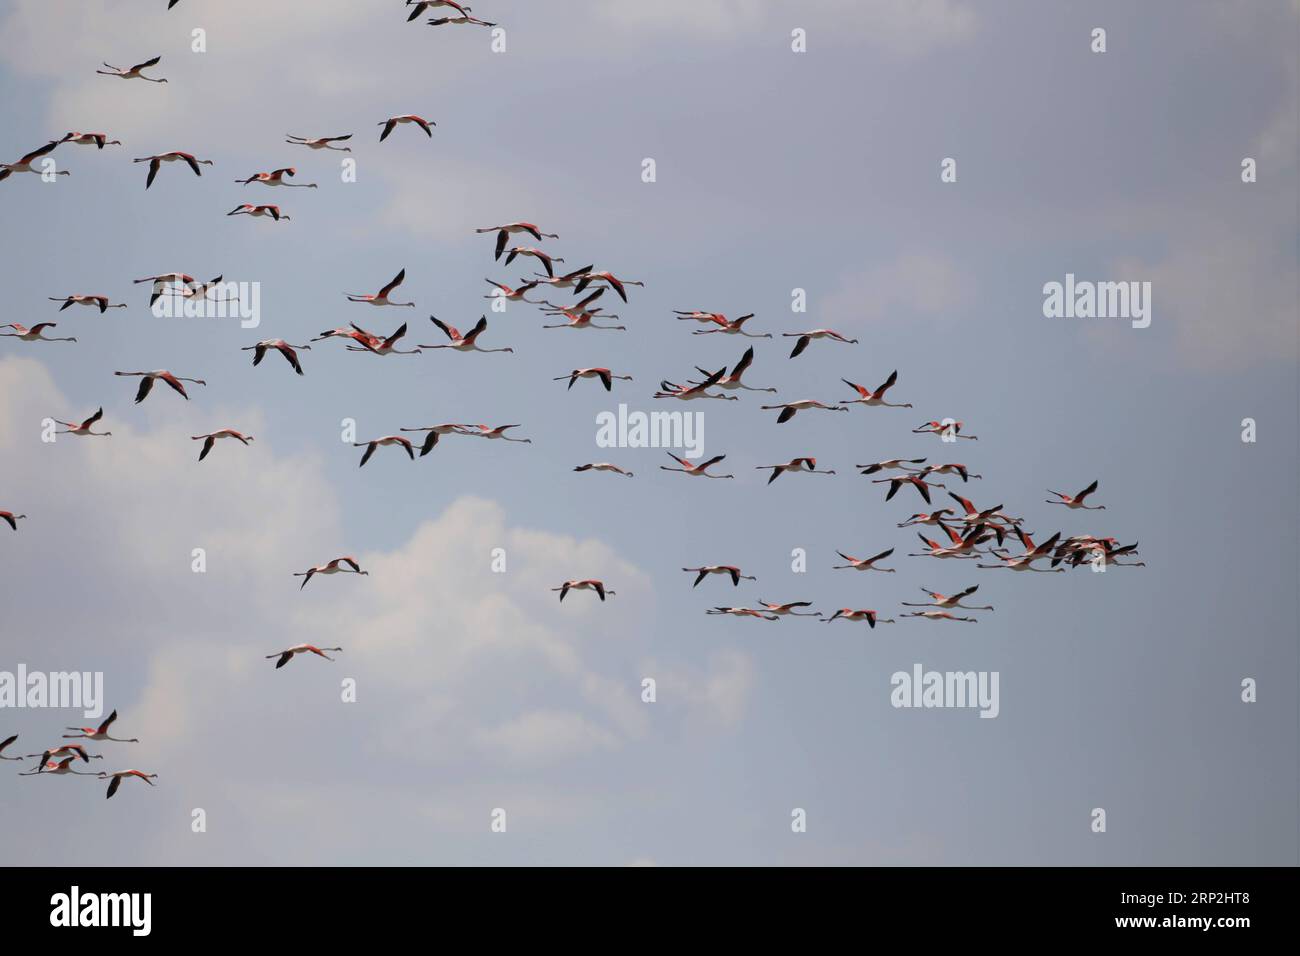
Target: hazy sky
775	171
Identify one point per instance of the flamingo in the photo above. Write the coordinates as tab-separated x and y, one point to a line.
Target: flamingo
134	72
570	280
463	343
212	438
721	324
940	616
864	614
421	5
1025	561
286	655
876	398
544	258
83	429
988	516
344	565
589	585
946	428
281	346
11	519
63	766
512	295
386	346
732	382
806	337
99	733
258	211
891	464
155	163
99	140
947	601
147	380
783	610
5	743
730	570
24	165
121	775
959	548
610	280
743	612
276	178
605	375
390	124
499	432
580	313
371	445
514	228
1074	502
794	464
673	390
932	518
917	481
320	142
98	301
163	283
863	564
460	21
381	297
582	320
698	470
34	334
953	468
354	332
433	433
67	750
603	466
788	409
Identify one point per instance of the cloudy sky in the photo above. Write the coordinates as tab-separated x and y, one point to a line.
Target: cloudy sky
776	171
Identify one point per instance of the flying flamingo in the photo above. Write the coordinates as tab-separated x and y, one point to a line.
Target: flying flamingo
959	548
344	565
134	72
390	124
698	470
605	375
34	334
863	564
794	464
147	380
370	447
281	346
610	280
11	519
720	323
783	610
512	295
1025	561
686	394
947	601
589	585
163	283
433	433
544	258
732	382
121	775
5	743
499	432
155	163
353	332
258	211
57	769
743	612
603	466
212	438
582	320
1074	502
99	733
730	570
806	337
867	615
387	346
381	297
462	343
421	5
276	178
945	429
917	481
460	21
320	142
876	398
940	616
83	429
286	655
891	464
570	280
67	750
932	518
788	409
24	165
99	140
953	468
514	228
988	516
98	301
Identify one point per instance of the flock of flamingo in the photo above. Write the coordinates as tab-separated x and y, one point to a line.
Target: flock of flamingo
961	530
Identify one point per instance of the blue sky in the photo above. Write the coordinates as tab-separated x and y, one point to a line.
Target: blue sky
775	171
